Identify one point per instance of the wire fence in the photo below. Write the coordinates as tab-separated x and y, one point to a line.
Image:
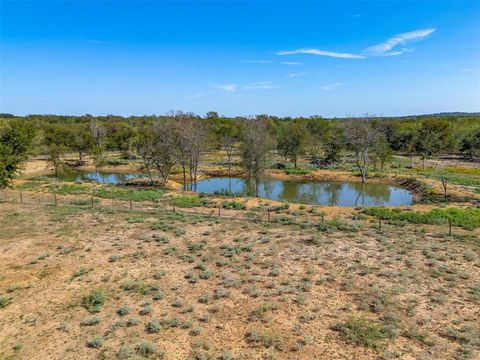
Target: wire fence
94	202
213	210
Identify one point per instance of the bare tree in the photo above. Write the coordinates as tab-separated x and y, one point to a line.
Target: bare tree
256	144
189	142
156	148
98	132
228	146
360	134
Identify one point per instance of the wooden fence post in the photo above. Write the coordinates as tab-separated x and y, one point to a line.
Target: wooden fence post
379	224
268	214
55	199
92	202
21	197
218	210
449	227
130	205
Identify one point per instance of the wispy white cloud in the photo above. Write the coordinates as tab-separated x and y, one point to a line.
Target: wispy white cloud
296	75
230	88
467	70
322	53
331	86
260	85
257	61
293	63
385	48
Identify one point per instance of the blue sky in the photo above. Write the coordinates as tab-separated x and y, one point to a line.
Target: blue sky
240	58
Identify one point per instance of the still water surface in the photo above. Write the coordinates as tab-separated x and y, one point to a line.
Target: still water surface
303	192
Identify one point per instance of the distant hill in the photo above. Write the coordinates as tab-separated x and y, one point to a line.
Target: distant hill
442	114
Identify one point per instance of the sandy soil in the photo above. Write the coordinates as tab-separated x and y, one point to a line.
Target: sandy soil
257	291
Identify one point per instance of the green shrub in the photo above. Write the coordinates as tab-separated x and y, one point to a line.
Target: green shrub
146	349
96	342
69	189
468	218
363	332
298	171
94	301
235	205
4	301
124	310
139	287
153	327
129	194
94	320
189	201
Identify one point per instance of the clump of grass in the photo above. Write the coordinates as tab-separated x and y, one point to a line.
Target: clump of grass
80	272
125	352
153	327
139	287
160	239
124	310
468	218
129	194
69	189
96	342
147	309
146	349
159	274
4	301
178	303
132	322
363	332
235	205
94	301
91	321
261	310
189	201
266	338
297	171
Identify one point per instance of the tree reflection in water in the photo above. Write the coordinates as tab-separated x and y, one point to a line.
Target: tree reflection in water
304	192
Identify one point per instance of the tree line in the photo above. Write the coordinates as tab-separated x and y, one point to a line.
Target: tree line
180	139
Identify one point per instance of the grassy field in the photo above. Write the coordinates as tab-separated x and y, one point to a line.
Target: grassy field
102	283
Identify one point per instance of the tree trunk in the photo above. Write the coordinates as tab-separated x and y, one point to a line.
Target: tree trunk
184	177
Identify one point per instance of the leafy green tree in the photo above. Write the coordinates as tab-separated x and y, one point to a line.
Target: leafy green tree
381	152
82	141
334	144
15	141
291	141
58	140
256	144
434	136
470	144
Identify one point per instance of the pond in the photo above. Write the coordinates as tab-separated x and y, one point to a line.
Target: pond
311	192
101	177
303	192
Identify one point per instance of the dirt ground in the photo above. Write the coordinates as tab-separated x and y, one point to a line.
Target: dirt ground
183	286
